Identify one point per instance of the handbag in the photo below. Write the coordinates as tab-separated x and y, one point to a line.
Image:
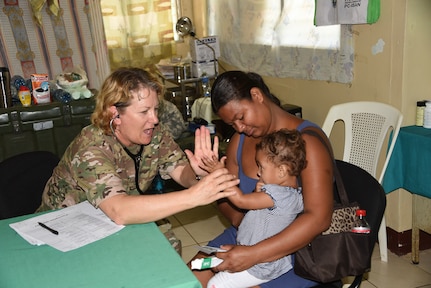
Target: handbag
337	252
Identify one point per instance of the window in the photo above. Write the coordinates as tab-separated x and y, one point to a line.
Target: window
278	38
139	33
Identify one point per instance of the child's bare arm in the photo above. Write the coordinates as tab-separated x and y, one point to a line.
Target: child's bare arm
254	200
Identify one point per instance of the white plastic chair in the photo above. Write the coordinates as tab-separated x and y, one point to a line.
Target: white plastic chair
367	127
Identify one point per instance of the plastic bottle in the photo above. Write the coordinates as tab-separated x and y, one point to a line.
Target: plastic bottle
187	66
18	81
427	115
361	225
206	88
24	96
420	109
62	96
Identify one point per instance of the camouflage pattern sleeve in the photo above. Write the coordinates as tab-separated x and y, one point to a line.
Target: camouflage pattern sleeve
98	175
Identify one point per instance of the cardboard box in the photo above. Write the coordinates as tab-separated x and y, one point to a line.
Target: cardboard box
199	68
200	52
40	88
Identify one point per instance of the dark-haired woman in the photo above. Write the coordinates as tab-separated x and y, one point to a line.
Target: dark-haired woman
244	101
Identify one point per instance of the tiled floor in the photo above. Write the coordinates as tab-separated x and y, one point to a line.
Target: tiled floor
199	225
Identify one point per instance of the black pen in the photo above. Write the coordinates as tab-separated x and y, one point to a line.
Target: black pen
48	228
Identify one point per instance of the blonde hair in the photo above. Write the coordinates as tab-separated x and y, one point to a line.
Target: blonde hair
116	91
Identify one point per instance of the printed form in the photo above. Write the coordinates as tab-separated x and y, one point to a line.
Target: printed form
67	229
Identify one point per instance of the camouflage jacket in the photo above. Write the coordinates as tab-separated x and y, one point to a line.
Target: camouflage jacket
95	166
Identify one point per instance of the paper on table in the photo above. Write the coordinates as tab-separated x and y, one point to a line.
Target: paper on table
78	225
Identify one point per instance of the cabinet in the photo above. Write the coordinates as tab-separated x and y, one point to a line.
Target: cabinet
48	127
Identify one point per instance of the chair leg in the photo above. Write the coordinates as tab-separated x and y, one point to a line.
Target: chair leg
356	283
383	241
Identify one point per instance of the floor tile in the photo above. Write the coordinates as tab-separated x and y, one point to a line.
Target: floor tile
424	260
197	214
397	272
206	229
184	236
364	284
174	222
188	253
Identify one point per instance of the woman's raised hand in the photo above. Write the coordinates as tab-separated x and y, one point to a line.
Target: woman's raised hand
203	149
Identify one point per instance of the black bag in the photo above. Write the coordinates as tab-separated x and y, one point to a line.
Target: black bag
337	252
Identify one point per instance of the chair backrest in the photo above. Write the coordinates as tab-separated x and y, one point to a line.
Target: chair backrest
367	125
22	181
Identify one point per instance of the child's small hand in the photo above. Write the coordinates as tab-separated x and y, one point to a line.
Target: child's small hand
259	186
211	164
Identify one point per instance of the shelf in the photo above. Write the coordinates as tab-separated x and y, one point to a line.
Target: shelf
186	103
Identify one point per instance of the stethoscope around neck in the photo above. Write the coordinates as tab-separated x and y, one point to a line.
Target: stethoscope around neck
137	158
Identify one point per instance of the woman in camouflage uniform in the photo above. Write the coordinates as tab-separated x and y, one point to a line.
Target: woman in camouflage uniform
111	162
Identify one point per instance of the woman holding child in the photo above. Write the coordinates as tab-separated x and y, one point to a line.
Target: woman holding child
243	101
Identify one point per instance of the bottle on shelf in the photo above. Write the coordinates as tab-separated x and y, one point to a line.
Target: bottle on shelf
206	88
427	115
420	109
361	225
24	96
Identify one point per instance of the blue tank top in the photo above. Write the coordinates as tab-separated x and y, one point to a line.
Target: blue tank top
248	184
